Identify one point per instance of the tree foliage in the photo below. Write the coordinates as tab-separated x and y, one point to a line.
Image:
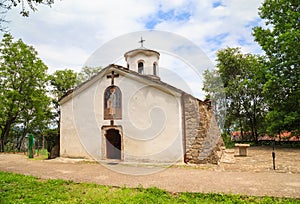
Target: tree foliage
213	85
280	39
263	95
26	6
243	78
61	82
86	73
29	96
23	95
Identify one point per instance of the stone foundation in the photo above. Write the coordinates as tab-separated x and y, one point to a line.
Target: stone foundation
204	143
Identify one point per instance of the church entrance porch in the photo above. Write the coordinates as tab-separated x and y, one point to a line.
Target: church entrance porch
112	142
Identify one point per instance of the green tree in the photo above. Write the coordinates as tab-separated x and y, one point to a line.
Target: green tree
61	82
251	87
243	78
23	93
280	39
213	85
86	73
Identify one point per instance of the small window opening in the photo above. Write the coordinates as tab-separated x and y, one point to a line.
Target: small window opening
141	68
154	69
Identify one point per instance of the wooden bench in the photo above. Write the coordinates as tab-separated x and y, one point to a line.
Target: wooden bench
242	149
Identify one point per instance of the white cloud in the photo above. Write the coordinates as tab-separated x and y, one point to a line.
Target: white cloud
234	17
67	57
66	34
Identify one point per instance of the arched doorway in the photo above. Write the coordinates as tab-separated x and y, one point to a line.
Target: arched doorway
113	144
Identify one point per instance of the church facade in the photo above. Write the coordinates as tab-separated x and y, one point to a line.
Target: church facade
129	114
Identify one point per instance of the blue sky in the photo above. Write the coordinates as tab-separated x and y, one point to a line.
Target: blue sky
66	34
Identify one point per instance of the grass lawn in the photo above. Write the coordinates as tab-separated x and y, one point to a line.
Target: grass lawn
16	188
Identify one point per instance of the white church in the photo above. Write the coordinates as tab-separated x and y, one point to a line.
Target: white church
128	114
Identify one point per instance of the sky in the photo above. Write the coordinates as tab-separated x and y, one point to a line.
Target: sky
69	32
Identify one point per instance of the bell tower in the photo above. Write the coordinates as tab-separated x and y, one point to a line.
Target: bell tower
143	60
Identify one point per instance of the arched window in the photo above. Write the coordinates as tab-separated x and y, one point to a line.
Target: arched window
112	103
141	68
154	69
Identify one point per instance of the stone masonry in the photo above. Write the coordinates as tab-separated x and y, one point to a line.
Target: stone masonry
204	143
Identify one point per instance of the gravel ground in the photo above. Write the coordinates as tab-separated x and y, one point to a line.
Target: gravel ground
251	175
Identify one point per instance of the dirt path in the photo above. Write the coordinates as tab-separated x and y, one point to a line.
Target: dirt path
252	175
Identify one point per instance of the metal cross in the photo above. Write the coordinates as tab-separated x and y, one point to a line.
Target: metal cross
112	76
141	41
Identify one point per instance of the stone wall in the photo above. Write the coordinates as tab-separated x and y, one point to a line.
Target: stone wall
204	143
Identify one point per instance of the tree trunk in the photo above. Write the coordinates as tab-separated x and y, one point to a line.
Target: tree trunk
255	122
241	129
252	130
256	136
55	149
5	132
2	144
20	141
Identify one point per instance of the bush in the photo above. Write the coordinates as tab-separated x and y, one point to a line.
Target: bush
227	140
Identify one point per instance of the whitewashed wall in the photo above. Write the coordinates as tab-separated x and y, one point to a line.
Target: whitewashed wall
70	145
151	123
